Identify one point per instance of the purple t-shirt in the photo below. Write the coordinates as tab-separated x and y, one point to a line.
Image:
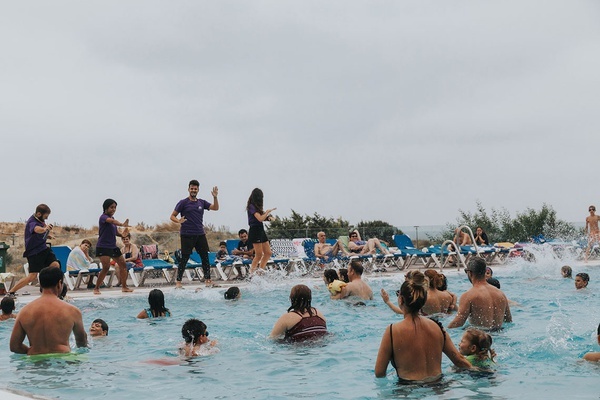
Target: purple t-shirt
107	233
193	211
34	242
252	221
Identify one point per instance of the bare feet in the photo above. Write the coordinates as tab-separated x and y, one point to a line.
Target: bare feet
178	285
96	291
126	289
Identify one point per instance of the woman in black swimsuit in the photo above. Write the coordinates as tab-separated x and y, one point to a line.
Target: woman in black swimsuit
414	346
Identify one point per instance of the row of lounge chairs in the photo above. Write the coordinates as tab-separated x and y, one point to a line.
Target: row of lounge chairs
289	256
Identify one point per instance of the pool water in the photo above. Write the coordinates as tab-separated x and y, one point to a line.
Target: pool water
539	354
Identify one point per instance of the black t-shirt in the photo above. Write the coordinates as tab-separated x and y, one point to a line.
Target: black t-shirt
484	238
244	246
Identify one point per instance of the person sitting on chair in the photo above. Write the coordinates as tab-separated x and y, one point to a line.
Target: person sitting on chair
325	251
481	237
356	245
79	258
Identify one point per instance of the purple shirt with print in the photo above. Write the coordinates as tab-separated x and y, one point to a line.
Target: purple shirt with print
193	211
252	221
107	233
34	242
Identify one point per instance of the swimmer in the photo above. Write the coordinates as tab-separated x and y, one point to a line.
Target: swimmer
333	282
8	306
99	328
443	287
301	321
344	275
566	271
233	293
476	346
196	340
437	301
156	300
581	280
594	356
357	287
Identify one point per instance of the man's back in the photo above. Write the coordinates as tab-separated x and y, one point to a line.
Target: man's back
487	304
48	323
359	288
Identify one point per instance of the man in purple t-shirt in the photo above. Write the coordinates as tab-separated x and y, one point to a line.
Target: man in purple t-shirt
38	254
192	229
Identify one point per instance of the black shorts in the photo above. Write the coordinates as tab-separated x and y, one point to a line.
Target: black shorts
41	260
113	253
256	234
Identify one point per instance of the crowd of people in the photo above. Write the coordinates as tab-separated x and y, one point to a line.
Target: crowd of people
413	346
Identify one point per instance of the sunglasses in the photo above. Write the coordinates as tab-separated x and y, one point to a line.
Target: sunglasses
592	209
398	293
205	333
353	235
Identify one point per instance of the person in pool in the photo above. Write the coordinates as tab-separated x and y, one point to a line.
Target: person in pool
357	287
414	346
196	339
332	281
8	306
99	328
581	280
301	321
437	301
593	356
566	271
484	305
476	346
156	300
233	293
47	321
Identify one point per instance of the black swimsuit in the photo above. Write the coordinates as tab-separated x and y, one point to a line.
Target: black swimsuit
392	343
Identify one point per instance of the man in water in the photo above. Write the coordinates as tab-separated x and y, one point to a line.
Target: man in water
357	287
484	305
48	321
99	328
37	253
591	227
581	280
324	250
192	229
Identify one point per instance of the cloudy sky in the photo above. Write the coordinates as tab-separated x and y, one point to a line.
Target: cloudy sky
400	111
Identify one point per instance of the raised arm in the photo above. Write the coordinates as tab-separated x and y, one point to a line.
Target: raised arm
215	204
386	299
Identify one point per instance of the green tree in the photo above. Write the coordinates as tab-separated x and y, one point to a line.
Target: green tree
378	229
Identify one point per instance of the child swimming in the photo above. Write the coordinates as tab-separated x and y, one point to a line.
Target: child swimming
333	282
476	346
156	301
196	339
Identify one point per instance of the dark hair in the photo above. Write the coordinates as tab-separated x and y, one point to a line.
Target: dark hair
102	323
242	231
194	182
156	299
566	271
434	278
598	329
256	199
63	293
330	275
86	241
42	209
494	282
414	291
107	203
222	243
443	283
7	305
477	266
357	267
232	293
584	276
344	275
49	277
301	297
482	342
192	329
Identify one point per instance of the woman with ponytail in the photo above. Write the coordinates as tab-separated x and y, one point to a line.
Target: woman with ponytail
414	346
437	301
301	321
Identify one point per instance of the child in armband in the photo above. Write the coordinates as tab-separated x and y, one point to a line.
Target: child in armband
333	282
476	345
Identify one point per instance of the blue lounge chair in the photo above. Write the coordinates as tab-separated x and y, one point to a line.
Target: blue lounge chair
413	255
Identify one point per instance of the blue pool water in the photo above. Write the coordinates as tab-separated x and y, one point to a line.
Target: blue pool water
538	355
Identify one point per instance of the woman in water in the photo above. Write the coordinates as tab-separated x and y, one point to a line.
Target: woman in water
414	346
256	234
301	321
437	301
476	346
156	300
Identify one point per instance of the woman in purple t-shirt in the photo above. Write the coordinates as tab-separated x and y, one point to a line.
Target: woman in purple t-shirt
107	244
256	233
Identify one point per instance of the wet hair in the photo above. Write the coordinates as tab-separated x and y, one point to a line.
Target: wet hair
256	199
232	293
584	276
443	283
330	275
107	203
434	278
566	271
301	297
192	329
482	342
42	209
102	323
414	291
86	241
49	277
344	275
194	182
357	267
242	231
7	305
477	266
494	282
156	300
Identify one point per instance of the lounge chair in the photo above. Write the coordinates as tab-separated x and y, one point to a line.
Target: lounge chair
74	277
412	255
153	266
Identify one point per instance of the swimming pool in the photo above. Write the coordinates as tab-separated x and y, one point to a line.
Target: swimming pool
538	355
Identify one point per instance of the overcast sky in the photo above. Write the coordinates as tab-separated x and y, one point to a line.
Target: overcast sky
399	111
